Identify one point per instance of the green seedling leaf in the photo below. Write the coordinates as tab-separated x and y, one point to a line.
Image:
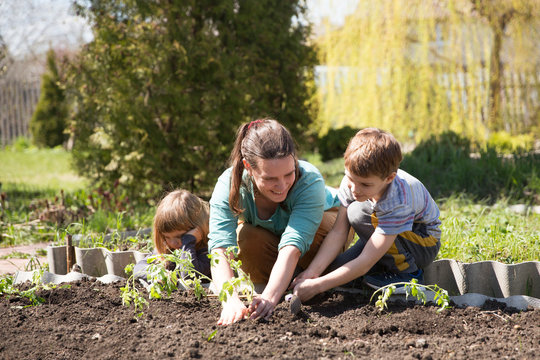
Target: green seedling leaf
211	336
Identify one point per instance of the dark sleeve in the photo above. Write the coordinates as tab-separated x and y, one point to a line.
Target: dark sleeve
199	258
140	268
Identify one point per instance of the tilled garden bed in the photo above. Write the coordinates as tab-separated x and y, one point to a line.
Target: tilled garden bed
88	320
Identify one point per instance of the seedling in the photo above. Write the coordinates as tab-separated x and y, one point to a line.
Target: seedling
162	282
211	336
7	288
414	289
241	283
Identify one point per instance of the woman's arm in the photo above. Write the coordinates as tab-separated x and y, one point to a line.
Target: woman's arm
375	248
282	272
233	309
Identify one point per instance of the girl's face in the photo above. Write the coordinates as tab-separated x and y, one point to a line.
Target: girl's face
273	177
173	239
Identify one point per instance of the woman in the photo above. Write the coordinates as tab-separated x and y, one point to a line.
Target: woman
275	208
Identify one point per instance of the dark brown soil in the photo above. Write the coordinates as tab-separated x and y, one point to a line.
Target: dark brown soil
89	321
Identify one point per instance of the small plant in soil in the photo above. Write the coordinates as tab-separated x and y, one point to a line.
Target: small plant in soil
163	277
241	283
7	288
414	289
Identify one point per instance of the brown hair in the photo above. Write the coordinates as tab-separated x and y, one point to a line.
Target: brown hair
180	210
259	139
373	152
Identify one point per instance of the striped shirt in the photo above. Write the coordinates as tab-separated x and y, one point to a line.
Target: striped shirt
405	201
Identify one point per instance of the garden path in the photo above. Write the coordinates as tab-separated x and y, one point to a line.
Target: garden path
12	265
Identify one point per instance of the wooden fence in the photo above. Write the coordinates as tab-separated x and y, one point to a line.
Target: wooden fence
18	100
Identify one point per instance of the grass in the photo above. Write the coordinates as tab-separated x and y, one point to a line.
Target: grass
38	170
476	232
472	229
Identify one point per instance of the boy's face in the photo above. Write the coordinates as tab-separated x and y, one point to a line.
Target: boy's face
371	187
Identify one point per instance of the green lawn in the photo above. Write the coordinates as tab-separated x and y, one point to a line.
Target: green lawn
39	170
471	230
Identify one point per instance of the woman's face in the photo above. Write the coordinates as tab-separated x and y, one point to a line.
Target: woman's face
273	177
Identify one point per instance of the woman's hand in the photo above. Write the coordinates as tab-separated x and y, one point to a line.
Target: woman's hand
261	307
233	310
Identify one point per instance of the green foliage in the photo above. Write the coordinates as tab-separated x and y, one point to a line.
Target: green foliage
50	117
8	289
445	165
441	297
30	169
161	281
159	92
418	68
240	283
334	143
504	143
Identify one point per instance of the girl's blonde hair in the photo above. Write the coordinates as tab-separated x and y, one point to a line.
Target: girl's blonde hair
183	211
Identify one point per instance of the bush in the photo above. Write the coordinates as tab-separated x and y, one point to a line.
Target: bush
334	143
49	119
162	88
505	143
445	165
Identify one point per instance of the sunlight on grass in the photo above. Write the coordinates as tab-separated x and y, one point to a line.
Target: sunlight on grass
477	232
38	169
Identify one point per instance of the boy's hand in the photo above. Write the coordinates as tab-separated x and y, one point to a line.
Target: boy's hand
305	289
306	274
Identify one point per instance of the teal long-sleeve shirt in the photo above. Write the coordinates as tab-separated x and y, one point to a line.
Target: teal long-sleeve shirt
295	221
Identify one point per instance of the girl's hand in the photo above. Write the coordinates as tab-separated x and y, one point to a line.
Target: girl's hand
195	232
233	310
305	289
261	307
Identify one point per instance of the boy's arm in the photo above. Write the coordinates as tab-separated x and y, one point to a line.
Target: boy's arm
330	247
375	248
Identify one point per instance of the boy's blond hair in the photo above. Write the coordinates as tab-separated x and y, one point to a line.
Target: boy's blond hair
373	151
180	210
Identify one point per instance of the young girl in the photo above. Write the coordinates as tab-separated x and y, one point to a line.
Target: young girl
181	222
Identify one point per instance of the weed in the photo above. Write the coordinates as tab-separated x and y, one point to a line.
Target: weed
16	255
412	289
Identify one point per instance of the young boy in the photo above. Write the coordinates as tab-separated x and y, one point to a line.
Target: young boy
393	214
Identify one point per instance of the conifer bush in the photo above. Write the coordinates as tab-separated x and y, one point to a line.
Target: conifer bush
48	122
160	91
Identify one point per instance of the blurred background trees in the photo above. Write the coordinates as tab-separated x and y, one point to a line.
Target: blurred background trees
156	93
424	67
